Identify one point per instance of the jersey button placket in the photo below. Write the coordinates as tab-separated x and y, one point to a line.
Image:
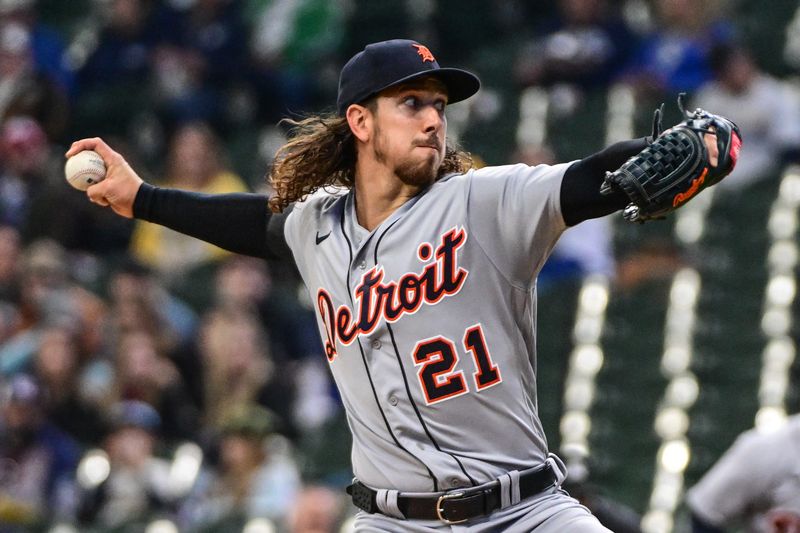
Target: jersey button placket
376	344
393	400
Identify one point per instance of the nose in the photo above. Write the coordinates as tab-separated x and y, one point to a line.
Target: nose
433	120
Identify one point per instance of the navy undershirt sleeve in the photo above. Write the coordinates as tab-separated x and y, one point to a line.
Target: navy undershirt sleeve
580	188
238	222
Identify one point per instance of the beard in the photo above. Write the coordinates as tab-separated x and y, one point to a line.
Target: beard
418	173
411	171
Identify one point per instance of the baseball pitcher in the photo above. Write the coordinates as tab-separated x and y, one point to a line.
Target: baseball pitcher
423	272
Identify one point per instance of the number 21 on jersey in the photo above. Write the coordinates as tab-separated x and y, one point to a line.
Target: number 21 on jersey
436	359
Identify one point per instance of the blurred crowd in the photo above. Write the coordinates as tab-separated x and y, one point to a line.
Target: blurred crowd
145	375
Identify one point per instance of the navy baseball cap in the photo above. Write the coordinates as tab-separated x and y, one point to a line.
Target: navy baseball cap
387	63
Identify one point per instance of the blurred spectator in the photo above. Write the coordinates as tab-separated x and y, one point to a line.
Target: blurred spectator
238	370
326	450
242	283
47	44
462	29
32	182
657	259
25	172
144	374
760	473
38	461
195	162
58	368
138	484
368	21
676	57
10	251
582	250
24	90
214	29
200	59
247	283
141	301
256	476
9	320
47	296
587	45
124	45
63	18
317	509
121	59
292	46
750	97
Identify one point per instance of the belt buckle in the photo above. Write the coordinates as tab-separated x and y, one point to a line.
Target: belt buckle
440	508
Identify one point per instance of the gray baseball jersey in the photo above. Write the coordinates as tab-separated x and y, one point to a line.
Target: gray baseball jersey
429	323
759	473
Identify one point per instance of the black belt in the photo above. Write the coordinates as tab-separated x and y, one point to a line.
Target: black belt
457	505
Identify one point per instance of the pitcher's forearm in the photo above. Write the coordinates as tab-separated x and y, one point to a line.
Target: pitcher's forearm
238	222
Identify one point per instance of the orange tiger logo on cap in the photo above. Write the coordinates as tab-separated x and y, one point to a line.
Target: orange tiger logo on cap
424	53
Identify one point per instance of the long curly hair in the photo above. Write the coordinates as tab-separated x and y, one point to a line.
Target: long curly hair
321	152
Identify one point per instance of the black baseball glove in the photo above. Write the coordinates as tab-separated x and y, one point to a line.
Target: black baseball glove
676	166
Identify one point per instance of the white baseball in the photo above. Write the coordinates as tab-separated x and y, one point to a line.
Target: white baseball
84	169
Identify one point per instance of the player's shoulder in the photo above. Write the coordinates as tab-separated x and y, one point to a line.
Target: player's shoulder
495	171
507	177
499	171
316	212
315	209
758	438
514	170
793	425
321	200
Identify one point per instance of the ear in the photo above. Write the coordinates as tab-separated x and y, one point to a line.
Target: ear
359	118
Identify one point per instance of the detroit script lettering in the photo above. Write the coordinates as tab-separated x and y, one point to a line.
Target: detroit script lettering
391	300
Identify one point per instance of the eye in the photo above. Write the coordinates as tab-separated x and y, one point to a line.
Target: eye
411	101
439	105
